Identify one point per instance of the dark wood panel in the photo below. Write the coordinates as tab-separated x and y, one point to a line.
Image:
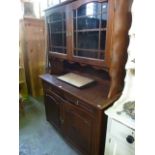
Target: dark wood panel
79	128
94	95
52	108
80	112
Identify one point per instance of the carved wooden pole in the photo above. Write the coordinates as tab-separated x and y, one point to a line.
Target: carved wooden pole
120	40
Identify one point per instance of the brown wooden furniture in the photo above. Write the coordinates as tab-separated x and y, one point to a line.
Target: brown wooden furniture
85	38
32	43
23	94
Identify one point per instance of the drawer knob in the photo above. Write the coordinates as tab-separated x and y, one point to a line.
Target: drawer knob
130	139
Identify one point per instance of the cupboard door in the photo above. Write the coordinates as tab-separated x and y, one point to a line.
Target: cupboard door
90	26
56	27
52	108
78	127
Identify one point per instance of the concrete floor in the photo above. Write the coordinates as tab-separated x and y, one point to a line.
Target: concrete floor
37	136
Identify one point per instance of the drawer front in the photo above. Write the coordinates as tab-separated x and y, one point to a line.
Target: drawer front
69	98
73	100
123	133
48	87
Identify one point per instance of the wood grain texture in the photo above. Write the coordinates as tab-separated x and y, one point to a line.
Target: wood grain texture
81	111
102	63
75	113
122	23
34	53
94	95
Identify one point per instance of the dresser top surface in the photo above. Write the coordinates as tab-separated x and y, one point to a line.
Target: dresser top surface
94	94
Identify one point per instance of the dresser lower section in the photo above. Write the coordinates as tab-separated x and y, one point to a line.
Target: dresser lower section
81	124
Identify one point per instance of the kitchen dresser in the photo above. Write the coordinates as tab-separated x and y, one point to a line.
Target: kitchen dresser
87	38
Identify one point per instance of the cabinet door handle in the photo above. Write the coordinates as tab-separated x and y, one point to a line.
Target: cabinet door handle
130	139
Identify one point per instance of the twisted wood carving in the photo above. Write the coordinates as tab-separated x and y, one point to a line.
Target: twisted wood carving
120	41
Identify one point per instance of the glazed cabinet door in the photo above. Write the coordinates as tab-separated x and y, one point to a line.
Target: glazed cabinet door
53	109
78	126
90	30
56	30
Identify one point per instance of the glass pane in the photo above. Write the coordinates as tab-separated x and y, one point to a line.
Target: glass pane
103	39
57	39
92	8
56	27
88	40
104	7
88	54
104	20
60	50
48	19
63	16
64	26
74	39
49	36
74	24
74	13
64	39
89	22
56	16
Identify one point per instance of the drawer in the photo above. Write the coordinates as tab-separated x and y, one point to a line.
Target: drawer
68	97
48	87
73	100
58	97
123	133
